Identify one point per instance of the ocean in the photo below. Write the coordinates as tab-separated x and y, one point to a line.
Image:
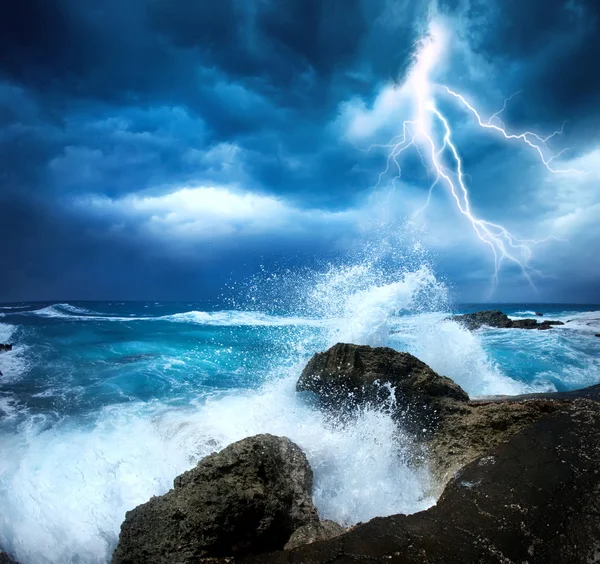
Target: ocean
102	404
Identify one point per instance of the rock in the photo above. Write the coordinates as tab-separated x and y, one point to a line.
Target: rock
5	559
539	314
492	318
4	348
465	436
597	335
523	324
534	498
248	498
347	376
500	320
314	532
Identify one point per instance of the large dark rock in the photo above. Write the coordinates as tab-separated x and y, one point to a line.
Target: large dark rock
494	318
463	437
4	348
5	559
250	497
352	375
534	498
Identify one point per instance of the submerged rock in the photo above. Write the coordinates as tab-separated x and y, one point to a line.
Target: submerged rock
248	498
314	532
353	375
4	348
497	319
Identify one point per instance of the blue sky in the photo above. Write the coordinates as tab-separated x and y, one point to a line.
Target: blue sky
158	149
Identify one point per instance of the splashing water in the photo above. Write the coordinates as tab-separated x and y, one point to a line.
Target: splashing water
112	406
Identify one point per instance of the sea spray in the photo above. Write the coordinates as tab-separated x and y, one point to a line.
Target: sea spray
66	488
117	404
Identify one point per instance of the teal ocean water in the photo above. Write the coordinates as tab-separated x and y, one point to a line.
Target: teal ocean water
103	404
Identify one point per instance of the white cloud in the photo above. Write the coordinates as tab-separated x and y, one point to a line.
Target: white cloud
210	212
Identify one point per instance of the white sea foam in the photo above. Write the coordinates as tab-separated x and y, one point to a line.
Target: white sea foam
6	332
588	321
65	490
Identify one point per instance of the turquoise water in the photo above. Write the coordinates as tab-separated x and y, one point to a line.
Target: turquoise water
103	404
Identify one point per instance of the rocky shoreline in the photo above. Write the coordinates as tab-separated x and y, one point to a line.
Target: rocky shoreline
518	479
498	319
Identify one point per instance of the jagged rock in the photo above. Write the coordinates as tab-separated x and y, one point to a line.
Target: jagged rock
494	318
5	559
352	375
4	348
248	498
314	532
465	436
549	322
523	324
534	498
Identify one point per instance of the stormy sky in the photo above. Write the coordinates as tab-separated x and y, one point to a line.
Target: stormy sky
159	149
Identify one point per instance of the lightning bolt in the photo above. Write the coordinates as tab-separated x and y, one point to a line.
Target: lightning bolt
429	132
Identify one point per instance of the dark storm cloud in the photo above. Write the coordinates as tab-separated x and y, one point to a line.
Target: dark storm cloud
547	49
111	98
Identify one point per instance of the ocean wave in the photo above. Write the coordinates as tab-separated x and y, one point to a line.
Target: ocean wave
63	311
588	321
238	318
225	318
6	332
93	474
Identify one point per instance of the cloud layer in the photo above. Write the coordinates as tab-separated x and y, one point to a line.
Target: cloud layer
155	149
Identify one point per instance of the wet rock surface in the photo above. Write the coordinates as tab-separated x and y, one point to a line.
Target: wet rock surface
5	348
5	559
250	497
533	498
314	532
351	375
494	318
520	478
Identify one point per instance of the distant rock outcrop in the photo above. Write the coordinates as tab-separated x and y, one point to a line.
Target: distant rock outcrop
495	318
351	375
250	497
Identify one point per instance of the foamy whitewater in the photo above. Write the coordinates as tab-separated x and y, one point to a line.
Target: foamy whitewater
103	404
